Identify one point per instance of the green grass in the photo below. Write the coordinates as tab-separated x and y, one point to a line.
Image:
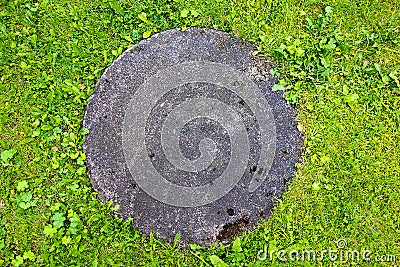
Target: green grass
340	69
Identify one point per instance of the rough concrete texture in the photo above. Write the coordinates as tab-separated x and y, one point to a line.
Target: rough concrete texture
111	176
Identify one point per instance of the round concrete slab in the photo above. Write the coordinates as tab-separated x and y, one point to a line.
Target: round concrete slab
188	138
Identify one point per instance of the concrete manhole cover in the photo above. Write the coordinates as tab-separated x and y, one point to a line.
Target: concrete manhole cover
188	138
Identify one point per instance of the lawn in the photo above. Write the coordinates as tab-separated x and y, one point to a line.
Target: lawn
338	62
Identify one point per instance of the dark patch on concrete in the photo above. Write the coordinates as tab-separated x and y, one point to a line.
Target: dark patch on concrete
104	117
233	229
